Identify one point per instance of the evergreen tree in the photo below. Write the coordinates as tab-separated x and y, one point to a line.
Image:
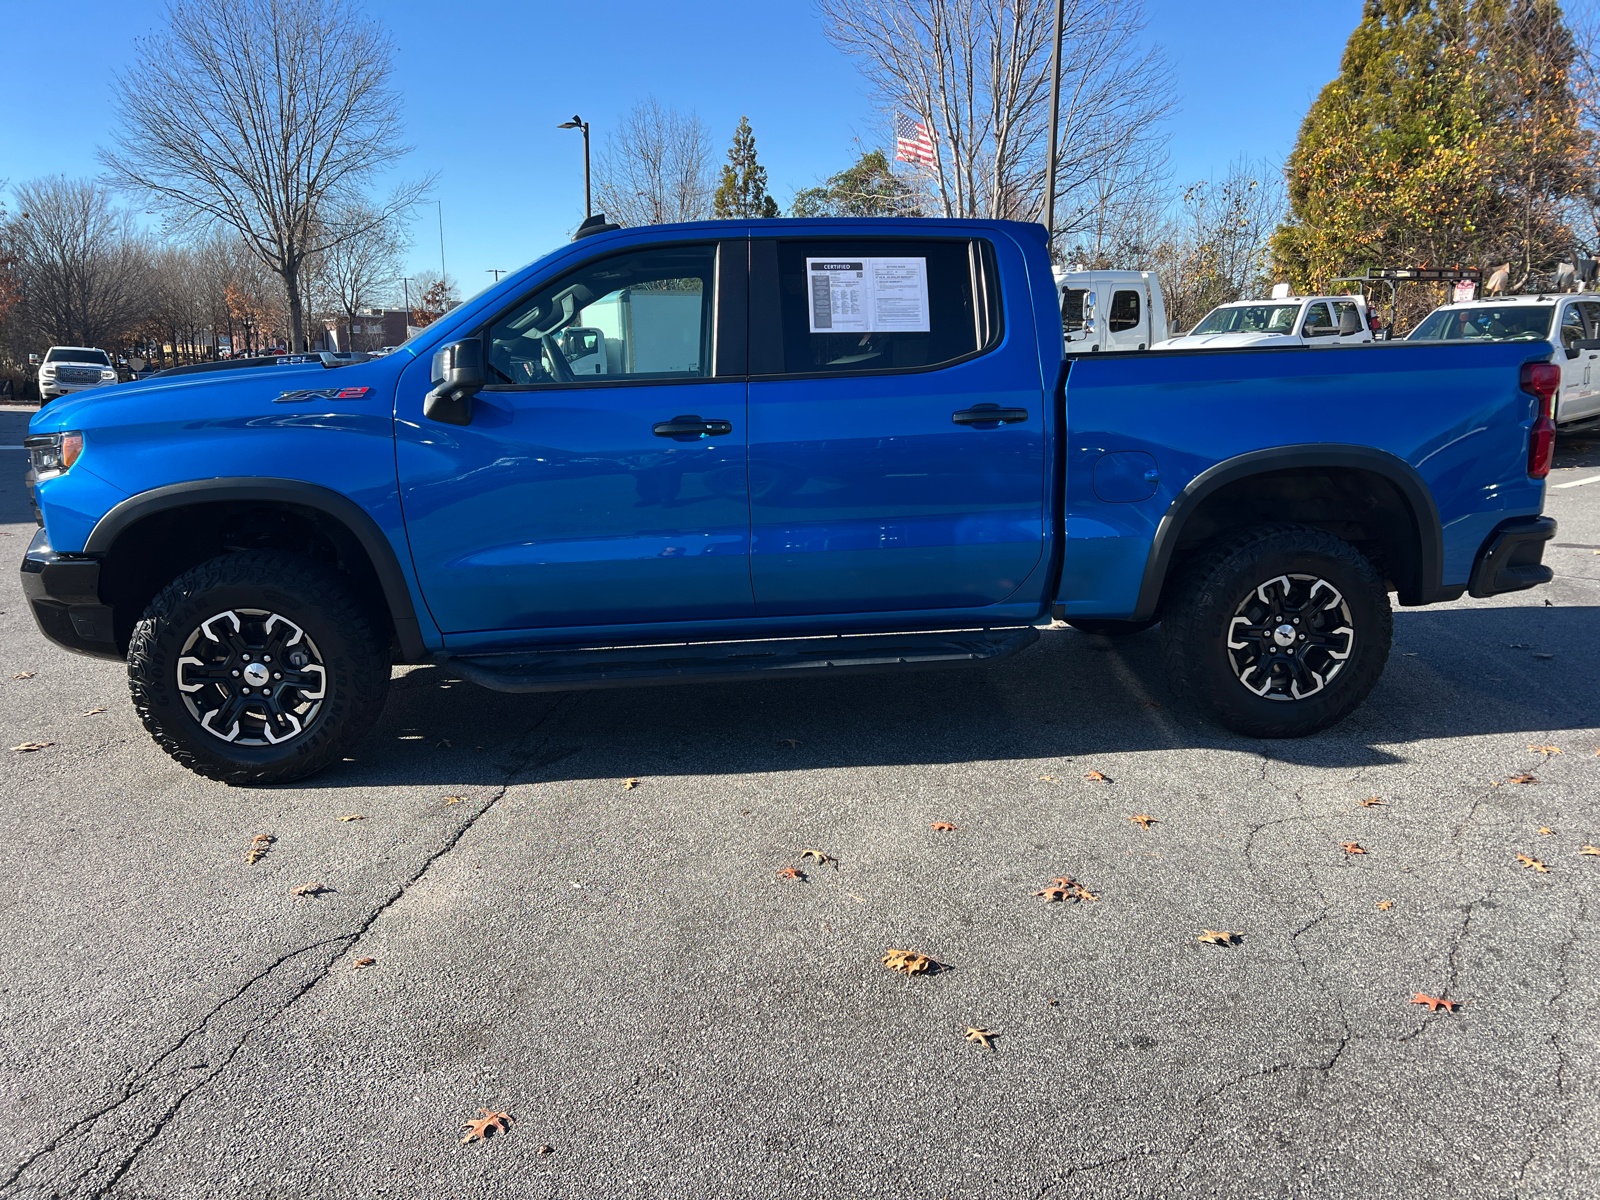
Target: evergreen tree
743	189
1450	137
870	188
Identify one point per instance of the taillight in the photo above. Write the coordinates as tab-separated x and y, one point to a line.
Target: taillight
1541	380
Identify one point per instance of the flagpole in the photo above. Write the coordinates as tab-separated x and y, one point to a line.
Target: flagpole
1055	119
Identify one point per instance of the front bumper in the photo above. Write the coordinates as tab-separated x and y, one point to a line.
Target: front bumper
64	593
1511	558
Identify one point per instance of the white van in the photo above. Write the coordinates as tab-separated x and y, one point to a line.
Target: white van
1110	310
1572	322
1289	321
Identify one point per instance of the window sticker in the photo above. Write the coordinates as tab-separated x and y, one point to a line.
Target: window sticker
868	295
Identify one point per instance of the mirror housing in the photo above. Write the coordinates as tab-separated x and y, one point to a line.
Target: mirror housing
1349	322
457	377
33	360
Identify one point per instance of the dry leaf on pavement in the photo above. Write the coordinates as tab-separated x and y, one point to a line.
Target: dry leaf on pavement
1435	1003
1097	777
362	962
818	857
491	1122
30	747
1385	905
943	827
258	847
1547	751
1351	847
980	1035
1219	937
449	800
93	712
908	962
353	817
1047	779
629	784
307	889
1533	864
792	873
1587	849
24	675
1522	779
1546	830
1143	820
1374	802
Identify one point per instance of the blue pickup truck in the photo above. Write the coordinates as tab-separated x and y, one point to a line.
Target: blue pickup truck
775	448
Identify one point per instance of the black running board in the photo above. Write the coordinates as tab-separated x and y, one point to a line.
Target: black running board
564	670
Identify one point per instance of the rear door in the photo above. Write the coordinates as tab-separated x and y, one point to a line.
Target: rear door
1589	355
1571	334
897	425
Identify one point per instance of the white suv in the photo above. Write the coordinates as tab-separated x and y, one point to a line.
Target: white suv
68	369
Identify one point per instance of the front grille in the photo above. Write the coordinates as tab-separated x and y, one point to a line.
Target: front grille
78	374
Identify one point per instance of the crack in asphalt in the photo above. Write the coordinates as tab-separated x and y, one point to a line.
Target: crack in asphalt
140	1083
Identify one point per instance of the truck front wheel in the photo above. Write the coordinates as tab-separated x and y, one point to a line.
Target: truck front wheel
1278	632
257	667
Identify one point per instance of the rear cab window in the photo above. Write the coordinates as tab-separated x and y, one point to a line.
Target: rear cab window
858	306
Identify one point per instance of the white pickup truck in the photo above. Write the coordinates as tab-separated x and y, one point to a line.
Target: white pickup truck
1110	310
1289	321
68	369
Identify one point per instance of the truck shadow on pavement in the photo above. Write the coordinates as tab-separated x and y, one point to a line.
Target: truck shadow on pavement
1453	673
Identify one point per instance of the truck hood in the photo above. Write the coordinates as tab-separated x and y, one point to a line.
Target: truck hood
1224	341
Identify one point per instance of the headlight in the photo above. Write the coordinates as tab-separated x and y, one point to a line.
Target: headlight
53	453
108	373
46	371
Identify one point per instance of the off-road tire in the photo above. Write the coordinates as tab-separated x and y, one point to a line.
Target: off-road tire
1107	628
307	594
1197	624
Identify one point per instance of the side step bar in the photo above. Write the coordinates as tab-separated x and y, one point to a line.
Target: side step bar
564	670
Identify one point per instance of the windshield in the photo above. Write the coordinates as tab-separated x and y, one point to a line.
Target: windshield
69	354
1512	323
1250	318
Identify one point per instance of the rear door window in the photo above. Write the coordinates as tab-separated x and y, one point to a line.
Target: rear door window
1319	322
1124	311
1572	331
851	307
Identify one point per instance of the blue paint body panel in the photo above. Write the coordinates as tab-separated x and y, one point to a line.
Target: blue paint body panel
851	502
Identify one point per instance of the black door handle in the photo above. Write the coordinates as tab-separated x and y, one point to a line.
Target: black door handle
989	416
691	427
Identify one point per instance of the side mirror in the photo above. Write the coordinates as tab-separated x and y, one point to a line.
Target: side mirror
457	377
1349	322
1174	327
33	360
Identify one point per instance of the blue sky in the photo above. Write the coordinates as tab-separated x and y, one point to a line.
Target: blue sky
486	82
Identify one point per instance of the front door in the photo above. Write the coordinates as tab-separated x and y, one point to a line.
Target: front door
601	480
897	425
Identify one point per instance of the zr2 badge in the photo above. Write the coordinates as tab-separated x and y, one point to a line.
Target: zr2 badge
299	397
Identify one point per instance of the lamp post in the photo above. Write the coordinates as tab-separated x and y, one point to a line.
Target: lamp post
405	285
578	122
1055	121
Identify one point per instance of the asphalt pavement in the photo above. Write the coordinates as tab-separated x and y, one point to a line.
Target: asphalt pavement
570	910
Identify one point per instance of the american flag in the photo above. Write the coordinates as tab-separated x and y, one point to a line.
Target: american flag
911	142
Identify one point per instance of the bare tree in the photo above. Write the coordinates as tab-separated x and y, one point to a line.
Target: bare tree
81	262
977	74
260	115
358	271
656	168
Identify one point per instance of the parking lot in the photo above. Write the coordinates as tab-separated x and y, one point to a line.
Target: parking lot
569	909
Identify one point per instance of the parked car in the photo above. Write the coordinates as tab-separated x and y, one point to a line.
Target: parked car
1110	310
1571	321
862	449
68	369
1290	321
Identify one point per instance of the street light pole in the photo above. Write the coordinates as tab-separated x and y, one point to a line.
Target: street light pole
405	285
1055	121
578	122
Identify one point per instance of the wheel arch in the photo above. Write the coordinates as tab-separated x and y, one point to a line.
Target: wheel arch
150	519
1318	484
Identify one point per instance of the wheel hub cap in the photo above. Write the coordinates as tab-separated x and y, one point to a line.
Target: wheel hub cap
1290	637
252	677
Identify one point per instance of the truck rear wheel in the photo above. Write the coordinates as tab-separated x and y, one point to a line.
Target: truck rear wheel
1278	632
257	667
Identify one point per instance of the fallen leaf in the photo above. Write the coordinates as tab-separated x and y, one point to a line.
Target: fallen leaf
1351	847
792	873
792	743
1435	1003
1546	830
264	837
1590	850
362	962
818	857
1053	894
547	1149
943	827
908	962
1522	779
981	1036
1547	751
353	817
30	747
1219	937
1385	905
25	675
629	784
1374	802
1097	777
1142	820
492	1122
1048	779
258	847
449	800
1065	883
308	889
1533	864
93	712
